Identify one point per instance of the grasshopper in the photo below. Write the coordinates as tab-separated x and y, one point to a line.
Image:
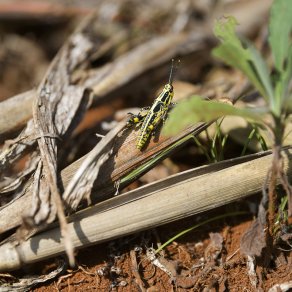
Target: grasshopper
150	117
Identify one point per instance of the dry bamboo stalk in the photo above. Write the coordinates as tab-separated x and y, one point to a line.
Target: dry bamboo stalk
146	208
18	107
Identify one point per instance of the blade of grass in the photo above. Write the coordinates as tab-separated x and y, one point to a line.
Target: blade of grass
198	225
250	136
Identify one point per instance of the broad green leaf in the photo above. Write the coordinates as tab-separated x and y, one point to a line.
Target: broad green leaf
247	59
196	110
280	31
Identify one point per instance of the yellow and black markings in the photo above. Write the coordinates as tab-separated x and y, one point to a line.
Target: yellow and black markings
150	117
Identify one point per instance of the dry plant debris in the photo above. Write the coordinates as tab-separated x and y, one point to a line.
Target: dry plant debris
118	55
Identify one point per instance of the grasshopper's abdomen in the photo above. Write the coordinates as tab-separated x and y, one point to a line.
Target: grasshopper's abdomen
145	131
141	141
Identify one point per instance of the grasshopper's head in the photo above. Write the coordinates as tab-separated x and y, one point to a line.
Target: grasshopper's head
168	87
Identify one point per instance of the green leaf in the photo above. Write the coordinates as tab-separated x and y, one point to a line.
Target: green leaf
279	31
196	110
282	81
248	60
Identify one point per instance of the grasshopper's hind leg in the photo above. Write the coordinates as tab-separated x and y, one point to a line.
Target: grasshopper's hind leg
165	114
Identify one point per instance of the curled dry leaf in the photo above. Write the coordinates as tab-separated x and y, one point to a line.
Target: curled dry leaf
59	104
27	283
80	186
167	266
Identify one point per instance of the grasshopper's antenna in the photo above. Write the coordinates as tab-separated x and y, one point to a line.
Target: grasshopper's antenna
172	71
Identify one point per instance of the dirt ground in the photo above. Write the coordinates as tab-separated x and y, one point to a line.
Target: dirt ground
205	259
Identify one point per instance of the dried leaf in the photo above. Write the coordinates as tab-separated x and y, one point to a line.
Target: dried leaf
214	248
60	101
14	149
81	185
281	287
254	239
27	283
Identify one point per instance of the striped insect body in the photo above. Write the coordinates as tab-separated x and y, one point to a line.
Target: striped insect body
150	117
